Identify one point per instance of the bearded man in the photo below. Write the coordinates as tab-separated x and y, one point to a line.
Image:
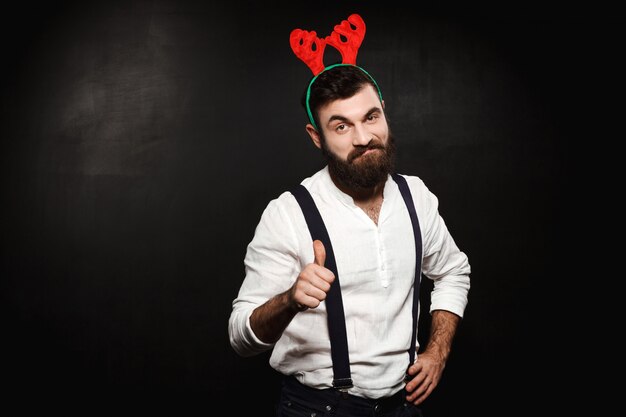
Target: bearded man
354	353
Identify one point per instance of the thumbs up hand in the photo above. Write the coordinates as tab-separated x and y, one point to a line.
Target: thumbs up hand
314	281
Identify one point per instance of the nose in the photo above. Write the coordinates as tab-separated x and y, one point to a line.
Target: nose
361	136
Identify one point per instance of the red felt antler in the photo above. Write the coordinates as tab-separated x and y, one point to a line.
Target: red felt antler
346	38
309	48
350	47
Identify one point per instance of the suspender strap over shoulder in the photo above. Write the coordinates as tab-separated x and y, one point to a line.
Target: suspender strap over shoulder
334	305
408	200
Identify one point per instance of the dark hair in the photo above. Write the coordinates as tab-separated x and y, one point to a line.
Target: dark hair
335	83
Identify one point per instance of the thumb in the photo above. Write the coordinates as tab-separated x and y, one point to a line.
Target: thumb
319	251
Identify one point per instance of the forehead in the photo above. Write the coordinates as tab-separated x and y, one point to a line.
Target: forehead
352	108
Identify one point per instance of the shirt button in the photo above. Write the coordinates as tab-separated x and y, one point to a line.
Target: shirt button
377	408
329	408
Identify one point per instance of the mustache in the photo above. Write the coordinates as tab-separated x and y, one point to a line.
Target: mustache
362	149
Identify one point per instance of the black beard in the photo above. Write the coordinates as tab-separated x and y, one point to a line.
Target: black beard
362	171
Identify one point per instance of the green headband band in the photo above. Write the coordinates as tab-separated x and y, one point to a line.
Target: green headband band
308	90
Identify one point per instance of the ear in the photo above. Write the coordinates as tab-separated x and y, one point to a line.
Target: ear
383	103
315	136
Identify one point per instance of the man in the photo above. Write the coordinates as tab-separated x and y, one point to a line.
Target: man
282	303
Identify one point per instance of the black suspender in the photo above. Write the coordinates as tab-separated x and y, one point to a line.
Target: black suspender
334	305
408	201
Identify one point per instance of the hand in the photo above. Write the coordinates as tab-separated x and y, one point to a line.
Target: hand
426	372
314	281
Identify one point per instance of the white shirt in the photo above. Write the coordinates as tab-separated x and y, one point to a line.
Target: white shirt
376	269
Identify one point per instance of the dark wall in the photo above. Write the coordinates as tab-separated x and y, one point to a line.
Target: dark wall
141	141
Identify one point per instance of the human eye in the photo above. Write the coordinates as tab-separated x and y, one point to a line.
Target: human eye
341	128
372	118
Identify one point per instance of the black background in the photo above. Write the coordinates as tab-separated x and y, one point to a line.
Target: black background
141	141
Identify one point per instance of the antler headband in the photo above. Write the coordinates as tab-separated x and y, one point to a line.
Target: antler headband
310	49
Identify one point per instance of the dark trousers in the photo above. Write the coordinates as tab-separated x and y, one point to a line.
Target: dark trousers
299	400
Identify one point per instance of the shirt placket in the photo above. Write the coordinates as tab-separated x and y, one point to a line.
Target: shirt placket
383	269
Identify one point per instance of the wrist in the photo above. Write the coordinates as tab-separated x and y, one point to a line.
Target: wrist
291	304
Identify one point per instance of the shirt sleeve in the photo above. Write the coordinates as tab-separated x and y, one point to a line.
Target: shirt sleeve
443	261
271	266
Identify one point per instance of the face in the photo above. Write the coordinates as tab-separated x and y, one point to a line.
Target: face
355	138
